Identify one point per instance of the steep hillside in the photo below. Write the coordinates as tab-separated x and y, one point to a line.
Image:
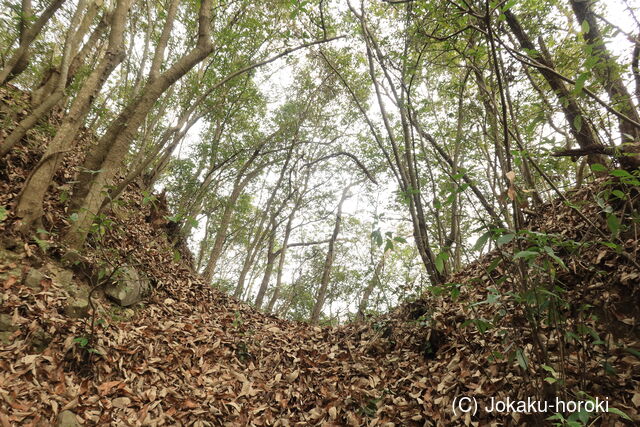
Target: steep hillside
188	354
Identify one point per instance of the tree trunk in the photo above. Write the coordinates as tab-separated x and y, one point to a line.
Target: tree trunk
52	75
29	206
271	259
252	252
283	250
581	130
18	62
158	56
107	155
221	234
371	286
607	71
321	296
52	99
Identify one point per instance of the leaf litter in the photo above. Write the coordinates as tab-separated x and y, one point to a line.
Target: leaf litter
184	359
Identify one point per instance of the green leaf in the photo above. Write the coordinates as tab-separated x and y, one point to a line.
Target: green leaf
455	293
482	240
620	413
3	213
619	194
557	416
580	81
481	325
377	237
621	173
585	27
577	122
388	246
597	167
505	238
83	341
526	254
633	351
440	260
508	5
494	264
553	255
582	416
590	62
436	290
613	223
522	359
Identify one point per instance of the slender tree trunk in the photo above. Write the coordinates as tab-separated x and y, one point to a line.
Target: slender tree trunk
323	287
158	56
201	249
581	129
635	67
223	226
271	259
252	252
283	250
254	244
371	286
607	71
29	206
52	75
107	155
139	169
18	62
54	98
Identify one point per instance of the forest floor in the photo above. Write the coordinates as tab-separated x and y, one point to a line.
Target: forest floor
191	355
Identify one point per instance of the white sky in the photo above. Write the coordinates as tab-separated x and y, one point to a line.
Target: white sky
277	77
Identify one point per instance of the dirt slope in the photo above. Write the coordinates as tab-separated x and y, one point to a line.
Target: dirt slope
192	356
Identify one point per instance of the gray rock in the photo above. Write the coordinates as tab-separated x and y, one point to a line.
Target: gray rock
127	287
6	324
60	276
40	340
71	258
77	307
5	338
11	265
67	419
33	279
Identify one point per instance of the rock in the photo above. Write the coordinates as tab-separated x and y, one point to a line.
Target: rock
77	307
6	338
60	276
33	279
71	258
127	287
67	419
11	271
40	340
10	243
6	324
